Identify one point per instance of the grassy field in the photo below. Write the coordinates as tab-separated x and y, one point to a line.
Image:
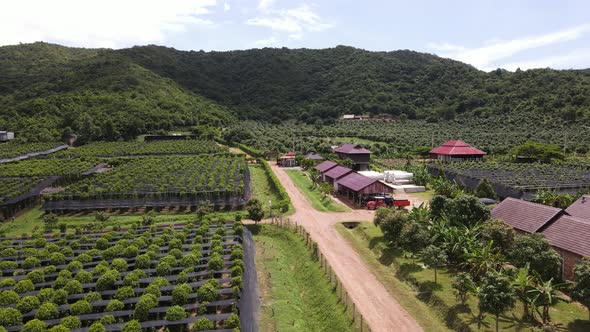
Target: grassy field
316	199
263	190
31	219
296	295
435	305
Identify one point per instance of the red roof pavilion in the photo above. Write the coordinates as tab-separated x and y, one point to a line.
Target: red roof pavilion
456	150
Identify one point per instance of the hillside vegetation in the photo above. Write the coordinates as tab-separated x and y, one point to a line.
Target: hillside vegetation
47	91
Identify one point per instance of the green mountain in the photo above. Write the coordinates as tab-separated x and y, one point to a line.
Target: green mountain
48	90
309	84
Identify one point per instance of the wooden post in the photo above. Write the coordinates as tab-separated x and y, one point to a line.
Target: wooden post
361	323
353	311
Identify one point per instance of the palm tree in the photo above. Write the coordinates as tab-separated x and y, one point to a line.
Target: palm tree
481	259
523	282
545	294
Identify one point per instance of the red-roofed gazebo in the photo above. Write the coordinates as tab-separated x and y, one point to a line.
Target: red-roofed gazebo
456	150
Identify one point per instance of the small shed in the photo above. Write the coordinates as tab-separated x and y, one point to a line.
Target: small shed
6	136
287	160
456	150
336	173
313	156
355	185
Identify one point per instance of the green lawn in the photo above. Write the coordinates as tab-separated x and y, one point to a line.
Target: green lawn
434	305
262	189
317	200
31	218
295	294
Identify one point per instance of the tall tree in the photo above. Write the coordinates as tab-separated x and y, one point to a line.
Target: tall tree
496	295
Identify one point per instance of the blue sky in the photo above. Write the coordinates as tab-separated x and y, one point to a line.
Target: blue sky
486	34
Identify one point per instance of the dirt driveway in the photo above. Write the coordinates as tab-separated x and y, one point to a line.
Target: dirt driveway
381	311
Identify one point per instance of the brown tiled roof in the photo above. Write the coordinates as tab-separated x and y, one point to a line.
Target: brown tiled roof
326	165
356	182
580	208
352	149
524	216
571	234
337	172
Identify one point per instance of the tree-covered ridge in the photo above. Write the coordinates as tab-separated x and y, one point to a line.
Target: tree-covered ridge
309	84
48	91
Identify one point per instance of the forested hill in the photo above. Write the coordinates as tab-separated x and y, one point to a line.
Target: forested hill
47	90
302	83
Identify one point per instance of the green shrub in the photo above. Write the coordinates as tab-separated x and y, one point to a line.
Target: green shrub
24	286
124	293
203	324
97	327
10	317
175	313
132	326
115	305
71	322
92	297
48	310
35	325
27	304
81	307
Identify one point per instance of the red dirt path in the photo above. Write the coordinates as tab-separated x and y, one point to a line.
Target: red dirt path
380	310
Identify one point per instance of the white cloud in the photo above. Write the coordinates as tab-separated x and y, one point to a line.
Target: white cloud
266	42
105	23
577	59
295	22
264	5
226	6
488	56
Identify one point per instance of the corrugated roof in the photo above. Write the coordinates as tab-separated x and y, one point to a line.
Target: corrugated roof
356	182
337	172
352	149
524	216
580	208
326	165
456	147
313	156
571	234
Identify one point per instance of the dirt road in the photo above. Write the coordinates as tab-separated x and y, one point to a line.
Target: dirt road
381	311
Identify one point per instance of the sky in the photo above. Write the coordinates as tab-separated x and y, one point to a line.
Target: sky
484	33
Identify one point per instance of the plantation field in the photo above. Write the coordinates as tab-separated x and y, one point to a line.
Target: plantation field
518	177
11	149
313	195
14	187
114	149
296	295
392	138
144	277
435	305
48	167
162	176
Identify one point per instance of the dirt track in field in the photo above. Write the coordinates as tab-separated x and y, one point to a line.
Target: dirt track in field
381	311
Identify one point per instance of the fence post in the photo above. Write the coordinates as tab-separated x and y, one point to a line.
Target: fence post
353	311
361	323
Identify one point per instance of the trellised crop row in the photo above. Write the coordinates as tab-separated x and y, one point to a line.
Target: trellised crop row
48	167
11	150
14	187
113	149
120	279
162	176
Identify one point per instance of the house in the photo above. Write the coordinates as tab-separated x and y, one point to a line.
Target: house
287	160
360	157
524	216
324	167
348	117
6	136
568	231
336	173
456	150
354	185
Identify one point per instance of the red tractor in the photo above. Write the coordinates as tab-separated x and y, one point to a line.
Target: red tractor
376	202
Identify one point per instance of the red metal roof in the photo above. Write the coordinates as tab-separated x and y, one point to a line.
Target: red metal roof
337	172
326	165
356	182
524	216
571	234
580	208
352	149
456	147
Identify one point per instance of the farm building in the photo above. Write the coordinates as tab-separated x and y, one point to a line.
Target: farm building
336	173
287	160
360	157
324	167
313	156
568	231
456	150
6	136
354	185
